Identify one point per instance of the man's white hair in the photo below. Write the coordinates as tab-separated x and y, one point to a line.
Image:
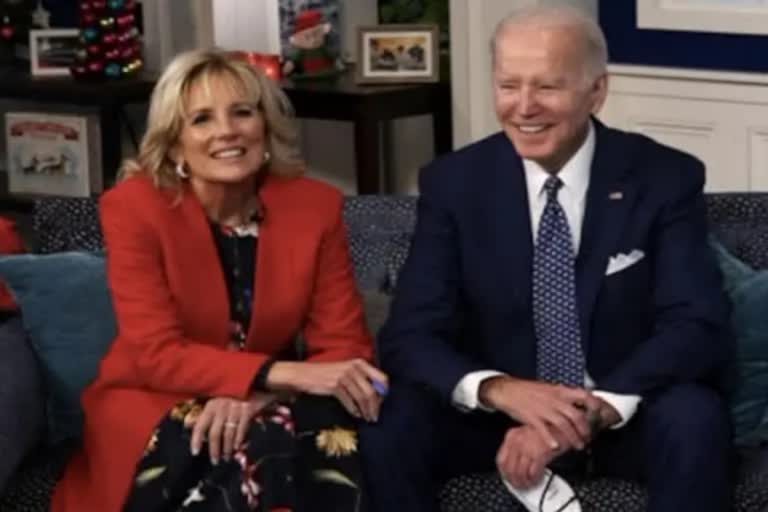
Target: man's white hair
560	17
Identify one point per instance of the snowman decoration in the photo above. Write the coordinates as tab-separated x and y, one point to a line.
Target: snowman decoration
310	55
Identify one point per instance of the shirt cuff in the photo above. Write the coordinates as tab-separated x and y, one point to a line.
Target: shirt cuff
625	405
465	394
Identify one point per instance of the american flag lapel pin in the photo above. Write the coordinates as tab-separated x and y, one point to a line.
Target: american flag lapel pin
615	196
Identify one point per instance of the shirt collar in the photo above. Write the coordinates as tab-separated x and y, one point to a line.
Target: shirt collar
574	174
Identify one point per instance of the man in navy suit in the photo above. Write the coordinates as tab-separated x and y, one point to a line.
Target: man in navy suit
556	248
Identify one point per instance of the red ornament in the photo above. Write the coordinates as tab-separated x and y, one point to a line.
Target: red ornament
99	5
93	49
85	7
6	32
109	38
6	29
127	35
125	20
96	66
87	18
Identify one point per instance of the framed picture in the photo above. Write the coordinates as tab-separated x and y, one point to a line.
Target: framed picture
57	154
52	51
725	16
398	54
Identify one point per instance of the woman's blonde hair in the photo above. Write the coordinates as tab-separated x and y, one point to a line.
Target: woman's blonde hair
167	111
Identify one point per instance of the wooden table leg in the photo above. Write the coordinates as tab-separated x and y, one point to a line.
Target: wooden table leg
111	143
367	156
442	122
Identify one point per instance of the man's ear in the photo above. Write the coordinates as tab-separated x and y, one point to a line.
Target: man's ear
599	92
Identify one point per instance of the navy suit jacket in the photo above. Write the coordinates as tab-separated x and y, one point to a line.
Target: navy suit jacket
463	299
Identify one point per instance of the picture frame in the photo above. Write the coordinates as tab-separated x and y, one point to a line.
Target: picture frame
52	51
398	54
719	16
53	154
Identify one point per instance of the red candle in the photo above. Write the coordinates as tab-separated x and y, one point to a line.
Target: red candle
268	63
271	65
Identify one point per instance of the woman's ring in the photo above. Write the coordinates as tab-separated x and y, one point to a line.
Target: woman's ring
230	424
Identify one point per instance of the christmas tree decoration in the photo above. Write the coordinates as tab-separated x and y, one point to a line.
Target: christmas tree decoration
40	17
111	46
310	54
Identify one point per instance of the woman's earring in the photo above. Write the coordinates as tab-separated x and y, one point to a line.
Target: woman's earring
266	158
181	172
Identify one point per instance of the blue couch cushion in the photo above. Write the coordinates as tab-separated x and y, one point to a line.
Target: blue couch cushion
748	291
67	312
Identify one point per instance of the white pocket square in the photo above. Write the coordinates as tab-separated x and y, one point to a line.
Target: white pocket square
621	261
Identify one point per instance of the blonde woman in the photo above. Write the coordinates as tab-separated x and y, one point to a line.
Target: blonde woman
218	254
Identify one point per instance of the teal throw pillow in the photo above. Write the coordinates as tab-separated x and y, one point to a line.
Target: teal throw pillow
68	316
748	291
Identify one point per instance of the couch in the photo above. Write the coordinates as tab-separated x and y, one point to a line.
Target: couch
379	232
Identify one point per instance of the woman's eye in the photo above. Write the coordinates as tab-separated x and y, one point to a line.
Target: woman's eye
198	119
244	112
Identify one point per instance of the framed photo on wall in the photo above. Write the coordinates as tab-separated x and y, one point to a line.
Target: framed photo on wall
52	51
398	54
55	154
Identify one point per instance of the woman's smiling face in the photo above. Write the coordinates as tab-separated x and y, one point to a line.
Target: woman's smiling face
223	132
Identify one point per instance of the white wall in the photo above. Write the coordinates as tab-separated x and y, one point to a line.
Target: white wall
720	117
171	26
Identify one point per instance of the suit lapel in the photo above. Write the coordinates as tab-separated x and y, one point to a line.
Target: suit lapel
273	261
197	242
609	201
510	215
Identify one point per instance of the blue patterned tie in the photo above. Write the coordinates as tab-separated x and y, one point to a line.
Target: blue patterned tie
560	358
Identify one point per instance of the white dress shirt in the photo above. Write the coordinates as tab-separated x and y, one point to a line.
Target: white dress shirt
572	196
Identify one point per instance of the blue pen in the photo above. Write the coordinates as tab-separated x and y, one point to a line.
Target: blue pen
379	386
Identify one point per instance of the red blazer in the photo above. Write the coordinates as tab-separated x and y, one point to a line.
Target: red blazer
172	312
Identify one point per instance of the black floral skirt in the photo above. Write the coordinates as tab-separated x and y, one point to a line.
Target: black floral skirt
297	457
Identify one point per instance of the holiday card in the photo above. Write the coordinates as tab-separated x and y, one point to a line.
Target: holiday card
53	154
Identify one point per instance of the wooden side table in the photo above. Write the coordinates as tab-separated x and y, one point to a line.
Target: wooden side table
369	107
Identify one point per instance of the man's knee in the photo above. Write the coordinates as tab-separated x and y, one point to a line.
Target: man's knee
691	420
405	422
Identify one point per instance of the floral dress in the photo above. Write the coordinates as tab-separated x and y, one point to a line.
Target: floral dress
298	456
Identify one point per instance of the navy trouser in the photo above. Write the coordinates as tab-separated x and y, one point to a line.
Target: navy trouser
678	443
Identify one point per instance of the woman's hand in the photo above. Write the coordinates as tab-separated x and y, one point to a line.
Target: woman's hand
225	422
351	382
